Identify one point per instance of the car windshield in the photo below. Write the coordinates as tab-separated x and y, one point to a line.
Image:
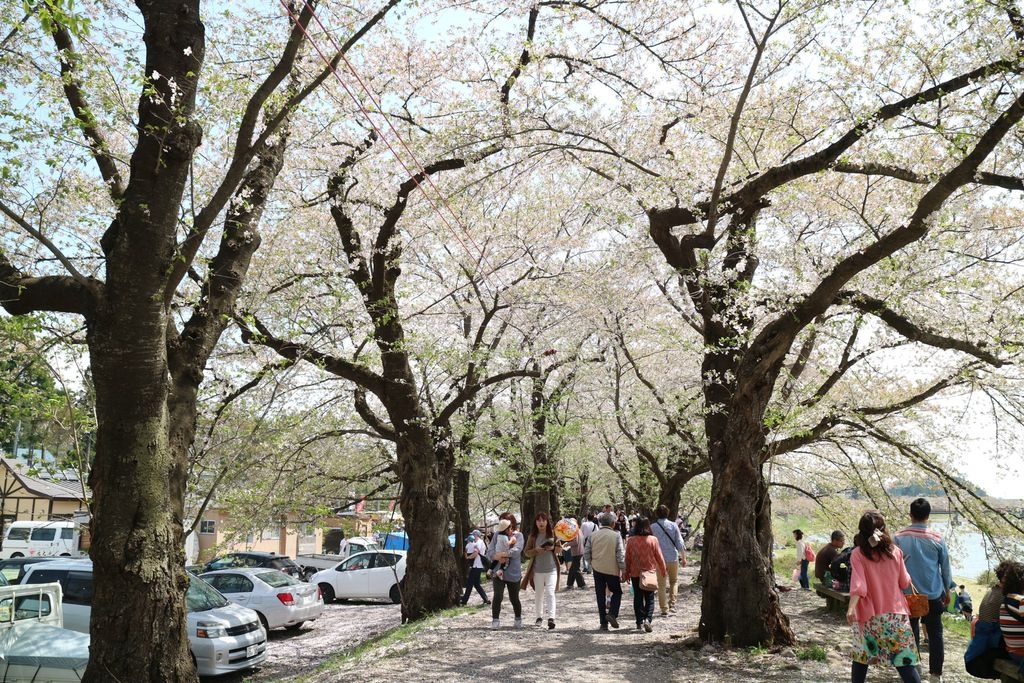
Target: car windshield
276	579
201	596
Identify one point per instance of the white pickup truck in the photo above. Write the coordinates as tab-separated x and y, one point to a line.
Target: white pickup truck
34	646
349	546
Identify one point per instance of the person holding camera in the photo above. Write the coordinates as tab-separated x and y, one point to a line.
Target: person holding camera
541	548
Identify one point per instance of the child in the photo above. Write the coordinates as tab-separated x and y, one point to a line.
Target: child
499	544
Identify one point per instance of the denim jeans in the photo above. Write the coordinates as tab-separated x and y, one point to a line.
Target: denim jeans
804	581
933	626
473	581
643	602
602	584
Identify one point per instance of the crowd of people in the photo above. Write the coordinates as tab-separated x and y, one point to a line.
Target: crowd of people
878	571
611	547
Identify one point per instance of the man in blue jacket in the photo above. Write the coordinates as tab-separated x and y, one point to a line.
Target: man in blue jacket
927	561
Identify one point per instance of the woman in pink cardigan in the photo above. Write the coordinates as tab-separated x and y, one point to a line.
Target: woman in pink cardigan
878	611
643	553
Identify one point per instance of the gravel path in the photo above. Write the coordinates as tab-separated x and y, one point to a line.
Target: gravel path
463	648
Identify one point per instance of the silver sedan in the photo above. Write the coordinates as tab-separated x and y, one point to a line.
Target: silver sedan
279	600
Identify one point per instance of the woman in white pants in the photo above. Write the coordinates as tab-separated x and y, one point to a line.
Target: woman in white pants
541	549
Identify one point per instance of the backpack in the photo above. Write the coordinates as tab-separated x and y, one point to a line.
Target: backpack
808	552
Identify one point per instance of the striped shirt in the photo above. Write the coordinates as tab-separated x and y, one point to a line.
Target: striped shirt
1013	630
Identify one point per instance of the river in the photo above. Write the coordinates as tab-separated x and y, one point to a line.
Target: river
969	551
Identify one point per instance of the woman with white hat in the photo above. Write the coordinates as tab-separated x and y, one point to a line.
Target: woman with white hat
506	549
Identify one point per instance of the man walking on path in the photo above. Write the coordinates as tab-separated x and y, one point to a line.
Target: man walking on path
606	555
927	561
672	549
588	527
475	550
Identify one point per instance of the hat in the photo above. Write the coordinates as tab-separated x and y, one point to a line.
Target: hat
606	519
503	525
476	533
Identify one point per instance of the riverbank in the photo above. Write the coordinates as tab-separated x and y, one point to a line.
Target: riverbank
463	648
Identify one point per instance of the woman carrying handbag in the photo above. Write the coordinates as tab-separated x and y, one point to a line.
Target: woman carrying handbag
644	563
878	609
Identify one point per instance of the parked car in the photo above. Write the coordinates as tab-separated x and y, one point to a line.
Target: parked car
223	637
254	559
14	568
278	599
370	575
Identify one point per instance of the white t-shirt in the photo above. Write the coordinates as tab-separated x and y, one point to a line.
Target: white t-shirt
478	546
587	528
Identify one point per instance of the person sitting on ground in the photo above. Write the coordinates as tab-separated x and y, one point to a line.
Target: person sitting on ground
963	600
987	644
828	552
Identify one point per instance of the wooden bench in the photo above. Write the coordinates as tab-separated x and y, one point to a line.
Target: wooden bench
1008	671
835	601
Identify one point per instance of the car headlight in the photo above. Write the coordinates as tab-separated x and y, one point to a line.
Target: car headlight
210	629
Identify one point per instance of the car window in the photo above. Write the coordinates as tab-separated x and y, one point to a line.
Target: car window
78	588
18	534
47	576
44	534
25	607
67	533
230	583
386	560
201	596
354	563
281	563
226	562
276	579
250	561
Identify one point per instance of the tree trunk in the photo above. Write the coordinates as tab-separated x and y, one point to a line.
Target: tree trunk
460	498
431	576
739	602
137	542
669	495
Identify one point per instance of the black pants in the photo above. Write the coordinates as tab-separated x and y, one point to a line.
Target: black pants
513	597
602	584
575	575
473	581
643	602
933	625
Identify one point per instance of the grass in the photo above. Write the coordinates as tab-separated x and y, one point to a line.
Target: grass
757	650
390	638
812	653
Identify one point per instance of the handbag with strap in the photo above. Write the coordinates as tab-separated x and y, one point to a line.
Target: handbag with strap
917	603
649	580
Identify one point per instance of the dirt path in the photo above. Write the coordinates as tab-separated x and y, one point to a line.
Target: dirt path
465	649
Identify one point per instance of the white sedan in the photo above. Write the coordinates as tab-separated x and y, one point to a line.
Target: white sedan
278	599
371	575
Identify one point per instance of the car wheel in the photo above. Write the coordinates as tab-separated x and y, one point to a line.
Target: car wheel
327	592
395	594
263	620
294	627
13	555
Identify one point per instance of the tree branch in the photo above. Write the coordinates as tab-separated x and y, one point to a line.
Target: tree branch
906	327
83	114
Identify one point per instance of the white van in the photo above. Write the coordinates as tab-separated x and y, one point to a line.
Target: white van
54	538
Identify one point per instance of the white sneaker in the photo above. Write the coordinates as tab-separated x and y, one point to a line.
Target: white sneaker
495	624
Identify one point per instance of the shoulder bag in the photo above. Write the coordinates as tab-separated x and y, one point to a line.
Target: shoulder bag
917	603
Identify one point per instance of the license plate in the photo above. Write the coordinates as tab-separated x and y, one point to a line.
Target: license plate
252	651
